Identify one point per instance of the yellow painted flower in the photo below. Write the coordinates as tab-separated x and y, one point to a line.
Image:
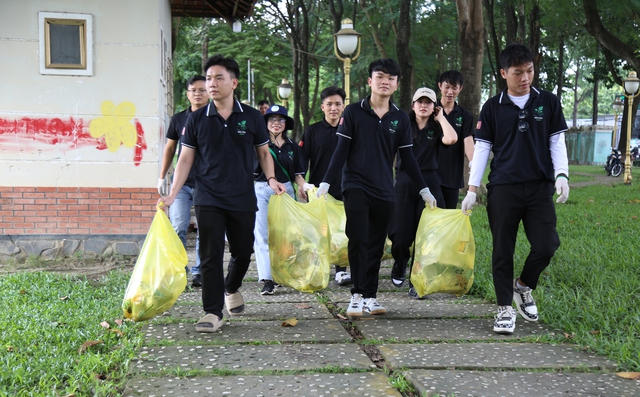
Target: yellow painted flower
115	125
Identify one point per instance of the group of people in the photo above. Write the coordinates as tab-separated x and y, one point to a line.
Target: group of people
352	154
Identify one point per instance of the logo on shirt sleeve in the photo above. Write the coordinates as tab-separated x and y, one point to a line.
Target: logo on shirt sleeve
183	130
479	125
341	120
301	144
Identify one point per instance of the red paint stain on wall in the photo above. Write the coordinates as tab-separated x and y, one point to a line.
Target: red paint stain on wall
141	144
64	134
69	134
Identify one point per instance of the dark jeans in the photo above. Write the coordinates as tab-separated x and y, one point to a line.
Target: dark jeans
213	222
451	197
507	205
367	225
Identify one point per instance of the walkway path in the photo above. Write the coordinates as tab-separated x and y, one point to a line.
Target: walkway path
440	346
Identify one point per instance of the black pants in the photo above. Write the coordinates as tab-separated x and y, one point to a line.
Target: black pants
213	222
507	205
407	211
451	197
367	225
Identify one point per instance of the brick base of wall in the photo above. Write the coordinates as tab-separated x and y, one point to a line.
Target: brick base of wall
54	222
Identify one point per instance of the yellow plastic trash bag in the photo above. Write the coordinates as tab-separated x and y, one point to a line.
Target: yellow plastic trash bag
386	254
159	276
445	253
299	243
337	219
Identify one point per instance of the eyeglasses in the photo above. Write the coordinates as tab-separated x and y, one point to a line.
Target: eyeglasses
277	120
197	91
523	125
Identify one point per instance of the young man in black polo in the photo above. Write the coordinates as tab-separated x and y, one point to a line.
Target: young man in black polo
524	128
451	158
223	137
316	148
370	133
180	212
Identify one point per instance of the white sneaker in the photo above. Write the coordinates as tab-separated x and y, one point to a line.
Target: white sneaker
372	306
505	320
525	303
343	278
356	306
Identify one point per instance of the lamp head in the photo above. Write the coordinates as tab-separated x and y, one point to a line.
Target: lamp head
631	83
284	89
347	37
617	105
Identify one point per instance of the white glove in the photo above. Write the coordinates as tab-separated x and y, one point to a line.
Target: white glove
163	189
562	189
468	203
428	198
308	186
323	189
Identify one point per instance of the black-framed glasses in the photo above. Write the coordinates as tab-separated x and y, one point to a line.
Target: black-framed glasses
523	125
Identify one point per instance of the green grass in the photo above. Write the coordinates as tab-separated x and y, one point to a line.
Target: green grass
45	320
591	289
589	293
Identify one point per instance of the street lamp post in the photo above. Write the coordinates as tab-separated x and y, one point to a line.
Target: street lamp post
631	86
346	41
617	107
284	92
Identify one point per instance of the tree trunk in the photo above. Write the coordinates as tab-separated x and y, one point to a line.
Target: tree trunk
560	82
594	103
403	52
576	101
534	40
471	28
500	83
374	30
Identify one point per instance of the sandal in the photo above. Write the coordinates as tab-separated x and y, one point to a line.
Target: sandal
209	323
234	302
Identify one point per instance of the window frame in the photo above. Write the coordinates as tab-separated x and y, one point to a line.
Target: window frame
85	22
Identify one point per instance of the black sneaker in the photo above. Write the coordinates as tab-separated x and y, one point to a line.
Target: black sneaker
196	281
414	295
398	274
268	288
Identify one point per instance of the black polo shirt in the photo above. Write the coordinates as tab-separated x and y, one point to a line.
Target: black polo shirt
225	151
288	157
174	133
451	157
520	156
318	143
426	144
374	143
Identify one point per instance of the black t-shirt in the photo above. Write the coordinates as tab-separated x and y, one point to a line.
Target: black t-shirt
520	156
374	143
288	157
426	145
174	133
225	153
316	147
451	157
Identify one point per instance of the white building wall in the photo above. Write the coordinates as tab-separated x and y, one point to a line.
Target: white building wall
46	121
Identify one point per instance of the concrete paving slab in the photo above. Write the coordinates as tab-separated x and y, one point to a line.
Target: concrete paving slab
483	356
443	329
397	296
291	357
325	331
266	311
510	383
398	309
251	294
308	385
